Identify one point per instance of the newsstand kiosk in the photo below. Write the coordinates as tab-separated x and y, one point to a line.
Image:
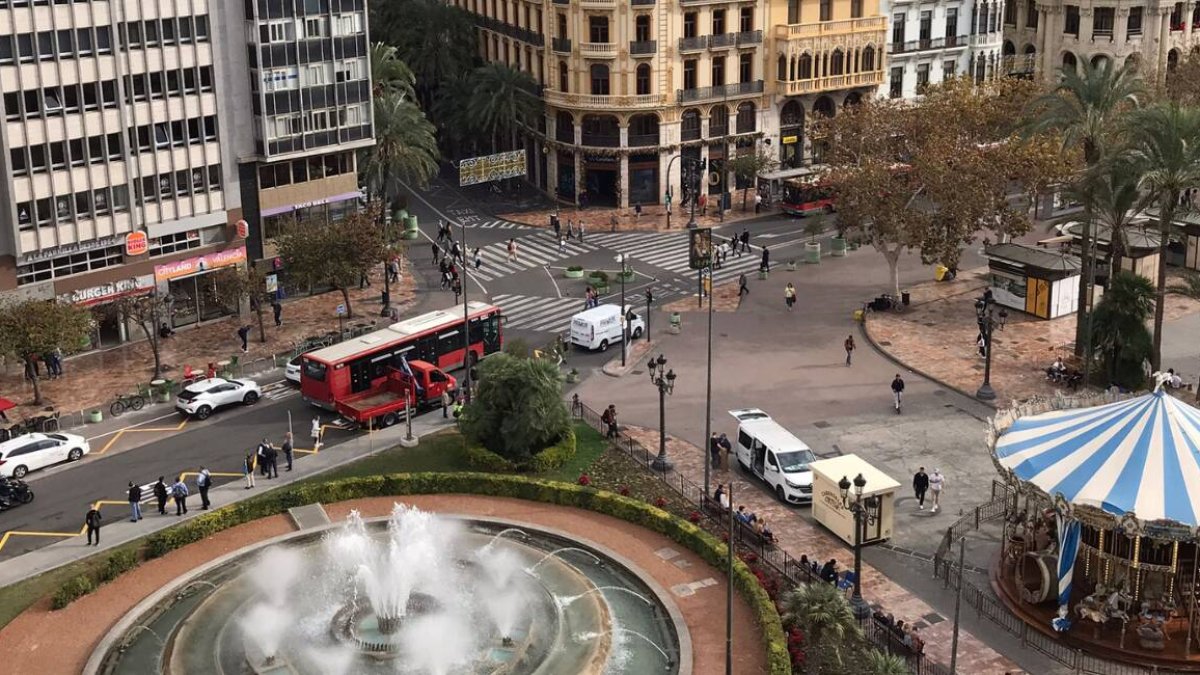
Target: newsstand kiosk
831	510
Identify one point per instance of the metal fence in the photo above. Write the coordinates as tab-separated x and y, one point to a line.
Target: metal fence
993	509
745	538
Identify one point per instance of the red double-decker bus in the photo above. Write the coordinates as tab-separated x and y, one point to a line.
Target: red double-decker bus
330	374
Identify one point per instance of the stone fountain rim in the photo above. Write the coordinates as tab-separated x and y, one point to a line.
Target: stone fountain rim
131	618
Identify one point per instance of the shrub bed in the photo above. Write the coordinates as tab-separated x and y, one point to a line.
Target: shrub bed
628	509
482	459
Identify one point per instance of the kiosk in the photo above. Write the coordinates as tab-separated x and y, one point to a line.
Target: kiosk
1033	280
827	505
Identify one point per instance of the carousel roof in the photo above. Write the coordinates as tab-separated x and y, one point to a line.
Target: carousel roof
1140	455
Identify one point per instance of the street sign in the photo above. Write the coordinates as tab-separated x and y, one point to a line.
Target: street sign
699	248
341	310
491	167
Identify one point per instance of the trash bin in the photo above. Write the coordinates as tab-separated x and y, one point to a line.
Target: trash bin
905	298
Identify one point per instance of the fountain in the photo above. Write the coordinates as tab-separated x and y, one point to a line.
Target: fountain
414	593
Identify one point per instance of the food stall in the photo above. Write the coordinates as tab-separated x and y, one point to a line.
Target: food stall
878	496
1033	280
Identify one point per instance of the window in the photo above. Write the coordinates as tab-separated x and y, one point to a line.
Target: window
275	31
314	27
952	24
318	120
25	47
718	22
1010	13
641	29
1133	25
151	30
689	25
6	49
1103	19
949	70
317	74
718	70
45	45
746	67
718	121
793	11
746	19
95	149
896	83
562	25
746	118
826	10
925	28
868	59
1071	21
1031	14
643	79
564	77
922	77
598	29
689	74
856	9
18	162
12	106
599	74
837	63
898	30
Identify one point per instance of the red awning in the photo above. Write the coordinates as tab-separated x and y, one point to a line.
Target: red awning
5	404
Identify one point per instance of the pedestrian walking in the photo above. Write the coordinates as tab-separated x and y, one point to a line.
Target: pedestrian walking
316	433
512	250
478	258
437	251
562	246
702	202
160	494
743	288
244	335
789	295
757	202
456	286
135	502
897	390
272	461
610	418
714	450
726	448
287	449
180	492
446	401
277	310
203	483
456	252
612	223
364	280
248	470
637	211
556	225
765	265
849	345
920	485
92	520
570	229
981	345
581	230
746	240
936	483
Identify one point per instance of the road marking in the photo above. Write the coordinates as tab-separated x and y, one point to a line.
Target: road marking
122	432
557	290
466	269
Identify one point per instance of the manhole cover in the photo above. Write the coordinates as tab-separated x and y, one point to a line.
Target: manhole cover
724	335
940	392
683	590
666	553
934	617
682	563
1041	339
885	343
821	424
930	324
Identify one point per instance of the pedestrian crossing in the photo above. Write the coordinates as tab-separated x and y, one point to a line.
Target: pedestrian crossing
553	315
669	251
500	225
277	391
537	251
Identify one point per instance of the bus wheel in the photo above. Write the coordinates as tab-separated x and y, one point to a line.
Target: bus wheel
388	420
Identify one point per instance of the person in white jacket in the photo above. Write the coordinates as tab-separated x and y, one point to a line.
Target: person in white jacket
936	482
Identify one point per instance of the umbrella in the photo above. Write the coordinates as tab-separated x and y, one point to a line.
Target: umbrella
6	404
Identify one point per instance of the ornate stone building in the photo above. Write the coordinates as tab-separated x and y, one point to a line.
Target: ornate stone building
929	43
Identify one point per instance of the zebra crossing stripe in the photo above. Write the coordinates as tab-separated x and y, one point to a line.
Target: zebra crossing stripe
553	315
531	252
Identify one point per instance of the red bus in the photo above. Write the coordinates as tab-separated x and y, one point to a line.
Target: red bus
350	367
801	198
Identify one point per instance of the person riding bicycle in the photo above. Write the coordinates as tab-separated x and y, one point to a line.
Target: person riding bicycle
897	389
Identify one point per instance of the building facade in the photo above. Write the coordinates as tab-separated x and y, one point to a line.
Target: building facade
931	42
1043	38
135	134
634	91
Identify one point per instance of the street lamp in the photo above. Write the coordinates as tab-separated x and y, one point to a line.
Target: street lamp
621	259
984	308
649	301
666	385
692	174
863	515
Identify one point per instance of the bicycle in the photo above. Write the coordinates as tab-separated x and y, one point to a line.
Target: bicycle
126	402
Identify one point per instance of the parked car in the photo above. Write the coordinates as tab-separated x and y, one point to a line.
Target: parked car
36	451
291	372
768	451
203	397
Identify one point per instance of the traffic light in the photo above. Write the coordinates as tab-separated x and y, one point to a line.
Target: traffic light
649	297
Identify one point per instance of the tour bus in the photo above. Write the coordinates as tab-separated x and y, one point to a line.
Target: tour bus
335	372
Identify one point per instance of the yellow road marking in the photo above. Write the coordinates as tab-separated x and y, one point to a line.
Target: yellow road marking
117	436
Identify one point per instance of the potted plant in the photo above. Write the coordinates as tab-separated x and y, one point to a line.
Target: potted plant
837	247
572	376
626	273
574	272
599	281
812	249
791	266
95	416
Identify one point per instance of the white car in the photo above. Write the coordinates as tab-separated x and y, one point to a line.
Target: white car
291	372
203	397
26	453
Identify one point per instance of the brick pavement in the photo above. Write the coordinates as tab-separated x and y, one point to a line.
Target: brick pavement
95	378
654	217
725	299
799	537
937	336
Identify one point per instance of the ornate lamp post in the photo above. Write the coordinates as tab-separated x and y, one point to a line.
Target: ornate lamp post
984	308
623	260
863	514
666	385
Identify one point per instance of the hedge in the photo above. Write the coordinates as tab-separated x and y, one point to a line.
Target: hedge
74	588
482	459
713	551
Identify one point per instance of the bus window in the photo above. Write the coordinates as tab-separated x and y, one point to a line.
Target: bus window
491	334
449	342
314	370
426	350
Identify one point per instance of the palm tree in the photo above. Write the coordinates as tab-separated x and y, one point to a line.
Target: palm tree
821	611
1166	142
437	40
405	147
1110	192
503	101
1120	333
878	663
1084	109
451	110
390	75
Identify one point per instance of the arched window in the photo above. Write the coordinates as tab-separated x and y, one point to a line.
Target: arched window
824	107
746	118
643	130
564	77
1100	62
792	114
806	67
1069	62
837	63
718	121
599	73
643	79
564	126
1009	48
868	59
689	127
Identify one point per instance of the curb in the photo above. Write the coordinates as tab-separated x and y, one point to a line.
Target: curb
636	351
941	383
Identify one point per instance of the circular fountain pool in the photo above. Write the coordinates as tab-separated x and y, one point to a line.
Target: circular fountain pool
411	593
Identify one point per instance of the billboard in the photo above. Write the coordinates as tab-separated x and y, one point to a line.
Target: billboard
700	248
491	167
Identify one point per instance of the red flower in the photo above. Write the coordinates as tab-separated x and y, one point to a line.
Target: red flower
624	490
750	557
584	480
694	516
661	502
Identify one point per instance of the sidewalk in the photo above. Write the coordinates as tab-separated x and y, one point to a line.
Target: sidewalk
93	379
653	218
936	336
119	530
799	537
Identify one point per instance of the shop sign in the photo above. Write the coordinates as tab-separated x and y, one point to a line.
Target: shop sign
272	281
68	249
199	264
789	140
601	159
110	291
136	243
243	229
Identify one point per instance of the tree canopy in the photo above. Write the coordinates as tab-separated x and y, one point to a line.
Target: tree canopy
518	411
32	328
333	253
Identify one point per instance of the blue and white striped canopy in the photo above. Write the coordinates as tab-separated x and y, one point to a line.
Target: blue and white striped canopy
1140	455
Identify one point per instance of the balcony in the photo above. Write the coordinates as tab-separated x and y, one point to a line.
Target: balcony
719	91
642	3
561	45
562	2
643	48
598	4
590	102
722	40
600	140
795	39
802	30
749	37
643	140
693	44
831	83
689	133
598	50
928	44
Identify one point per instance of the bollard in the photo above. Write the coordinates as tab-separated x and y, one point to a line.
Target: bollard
676	323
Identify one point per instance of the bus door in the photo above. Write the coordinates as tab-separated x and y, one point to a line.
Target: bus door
490	334
360	375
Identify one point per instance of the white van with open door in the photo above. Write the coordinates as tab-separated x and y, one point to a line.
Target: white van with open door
771	453
600	326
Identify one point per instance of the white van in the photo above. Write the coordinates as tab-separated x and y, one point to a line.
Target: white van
770	452
600	326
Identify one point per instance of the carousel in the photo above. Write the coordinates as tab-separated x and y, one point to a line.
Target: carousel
1101	539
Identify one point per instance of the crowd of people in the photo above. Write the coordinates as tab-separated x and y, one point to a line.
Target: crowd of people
749	519
903	633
